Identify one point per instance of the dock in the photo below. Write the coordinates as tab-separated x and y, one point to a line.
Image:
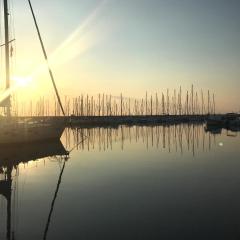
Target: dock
115	121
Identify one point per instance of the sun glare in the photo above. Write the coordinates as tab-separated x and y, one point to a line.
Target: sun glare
21	81
81	40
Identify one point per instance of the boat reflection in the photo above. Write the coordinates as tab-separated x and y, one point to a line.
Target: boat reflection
180	138
219	129
12	156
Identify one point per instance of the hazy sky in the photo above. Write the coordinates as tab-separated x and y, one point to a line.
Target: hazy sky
133	46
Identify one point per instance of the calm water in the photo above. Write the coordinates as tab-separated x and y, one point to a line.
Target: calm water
126	183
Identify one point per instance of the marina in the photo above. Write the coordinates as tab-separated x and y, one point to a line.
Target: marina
99	121
119	120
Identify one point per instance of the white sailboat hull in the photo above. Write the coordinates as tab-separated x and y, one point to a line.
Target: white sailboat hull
12	132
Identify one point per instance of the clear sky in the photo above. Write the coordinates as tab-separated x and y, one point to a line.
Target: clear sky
133	46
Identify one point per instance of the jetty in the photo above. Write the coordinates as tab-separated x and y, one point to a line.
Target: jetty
96	121
115	121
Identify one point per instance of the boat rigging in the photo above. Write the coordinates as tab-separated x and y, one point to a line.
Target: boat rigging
19	130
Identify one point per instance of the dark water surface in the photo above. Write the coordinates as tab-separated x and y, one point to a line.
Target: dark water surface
128	183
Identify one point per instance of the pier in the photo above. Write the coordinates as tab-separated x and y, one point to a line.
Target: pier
96	121
115	121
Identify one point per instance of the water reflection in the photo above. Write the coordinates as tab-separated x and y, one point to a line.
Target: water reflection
96	192
10	158
176	138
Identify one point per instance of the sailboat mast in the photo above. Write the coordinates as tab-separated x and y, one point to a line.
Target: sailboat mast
7	65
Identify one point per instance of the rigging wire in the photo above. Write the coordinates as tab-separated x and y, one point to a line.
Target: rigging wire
46	58
53	201
13	47
13	35
78	143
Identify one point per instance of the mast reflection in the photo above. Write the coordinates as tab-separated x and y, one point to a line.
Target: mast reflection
182	138
11	157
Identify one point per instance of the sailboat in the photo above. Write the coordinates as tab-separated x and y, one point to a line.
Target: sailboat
13	129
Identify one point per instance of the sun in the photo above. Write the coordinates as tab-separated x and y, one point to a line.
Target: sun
21	81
